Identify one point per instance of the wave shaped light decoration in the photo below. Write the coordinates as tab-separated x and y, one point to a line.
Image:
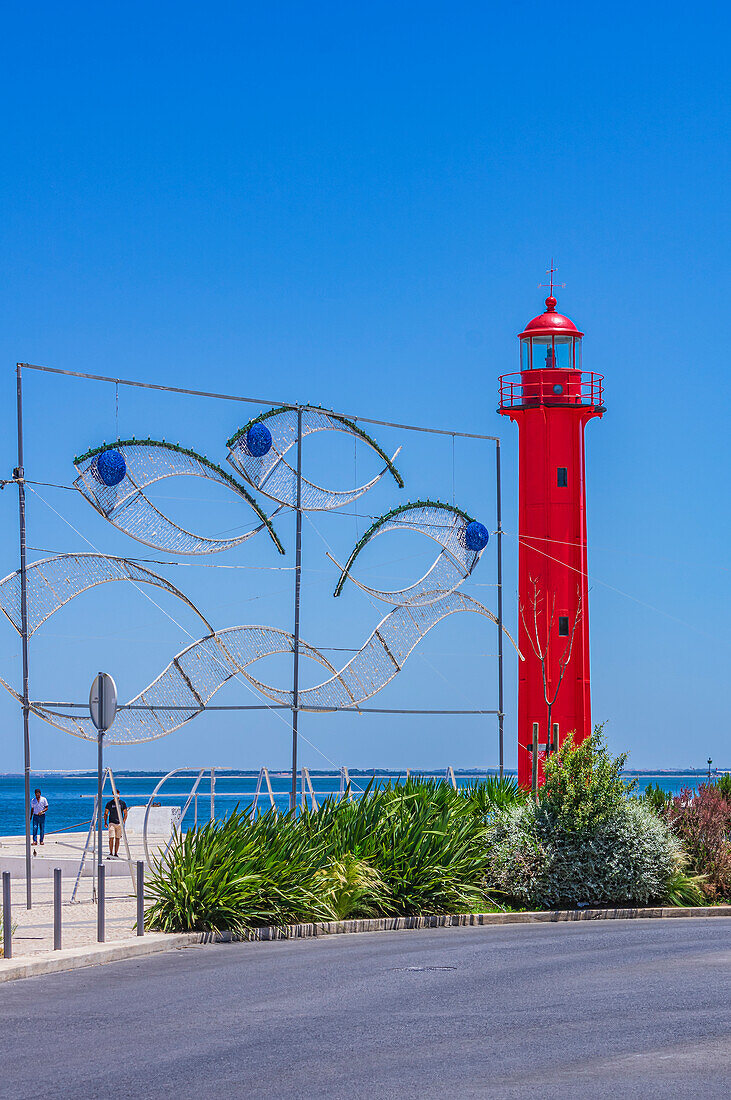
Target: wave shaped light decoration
258	452
191	679
114	478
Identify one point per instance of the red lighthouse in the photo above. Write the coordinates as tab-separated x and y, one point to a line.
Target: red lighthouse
551	399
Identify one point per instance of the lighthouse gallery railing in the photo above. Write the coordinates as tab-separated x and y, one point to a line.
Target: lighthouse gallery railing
527	389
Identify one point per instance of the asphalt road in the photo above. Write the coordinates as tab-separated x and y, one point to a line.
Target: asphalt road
625	1009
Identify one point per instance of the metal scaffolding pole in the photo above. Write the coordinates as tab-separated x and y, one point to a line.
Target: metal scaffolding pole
498	511
19	476
297	586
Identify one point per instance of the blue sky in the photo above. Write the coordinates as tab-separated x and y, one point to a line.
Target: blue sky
353	206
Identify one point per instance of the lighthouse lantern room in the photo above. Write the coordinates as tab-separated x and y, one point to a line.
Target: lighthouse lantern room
551	399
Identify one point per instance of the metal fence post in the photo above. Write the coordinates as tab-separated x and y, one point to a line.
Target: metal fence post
100	929
56	908
535	760
296	636
140	897
7	918
19	476
500	690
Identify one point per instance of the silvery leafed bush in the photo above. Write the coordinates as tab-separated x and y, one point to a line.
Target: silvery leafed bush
583	842
627	858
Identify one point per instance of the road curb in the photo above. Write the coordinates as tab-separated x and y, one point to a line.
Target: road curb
155	943
468	920
73	958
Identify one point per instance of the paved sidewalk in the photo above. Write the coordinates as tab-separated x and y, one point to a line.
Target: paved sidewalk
34	928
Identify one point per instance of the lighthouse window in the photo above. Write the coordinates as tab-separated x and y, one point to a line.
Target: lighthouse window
563	626
562	352
562	477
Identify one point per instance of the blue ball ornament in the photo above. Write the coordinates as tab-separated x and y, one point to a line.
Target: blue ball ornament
110	467
258	440
476	536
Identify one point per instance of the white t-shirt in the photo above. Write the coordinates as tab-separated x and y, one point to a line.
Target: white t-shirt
39	805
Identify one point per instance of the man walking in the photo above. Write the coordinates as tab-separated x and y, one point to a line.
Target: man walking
115	825
38	807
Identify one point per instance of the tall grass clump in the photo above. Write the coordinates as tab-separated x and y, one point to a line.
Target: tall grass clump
415	848
234	874
425	839
352	888
584	841
494	793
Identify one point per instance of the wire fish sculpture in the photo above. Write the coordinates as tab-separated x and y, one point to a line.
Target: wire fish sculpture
114	479
258	452
462	540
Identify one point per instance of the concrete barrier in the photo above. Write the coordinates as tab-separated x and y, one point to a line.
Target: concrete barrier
160	823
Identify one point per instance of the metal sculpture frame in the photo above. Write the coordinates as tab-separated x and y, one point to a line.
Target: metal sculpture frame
305	495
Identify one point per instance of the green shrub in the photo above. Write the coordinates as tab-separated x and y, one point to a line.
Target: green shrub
423	848
723	785
658	798
411	849
584	841
432	853
583	783
234	874
426	840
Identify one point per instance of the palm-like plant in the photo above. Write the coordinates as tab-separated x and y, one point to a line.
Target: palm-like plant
351	888
234	874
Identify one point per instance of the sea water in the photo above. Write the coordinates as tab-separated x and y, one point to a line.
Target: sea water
71	795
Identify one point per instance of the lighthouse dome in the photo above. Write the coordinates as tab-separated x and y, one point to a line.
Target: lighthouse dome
550	323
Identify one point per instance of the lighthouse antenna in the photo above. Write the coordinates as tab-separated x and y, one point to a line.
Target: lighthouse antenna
551	271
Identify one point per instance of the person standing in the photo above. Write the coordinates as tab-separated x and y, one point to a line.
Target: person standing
115	825
38	807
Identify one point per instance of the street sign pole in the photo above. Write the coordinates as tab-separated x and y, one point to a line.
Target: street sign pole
103	710
100	894
99	781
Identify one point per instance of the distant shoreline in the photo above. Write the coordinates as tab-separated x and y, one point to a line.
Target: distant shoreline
691	773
